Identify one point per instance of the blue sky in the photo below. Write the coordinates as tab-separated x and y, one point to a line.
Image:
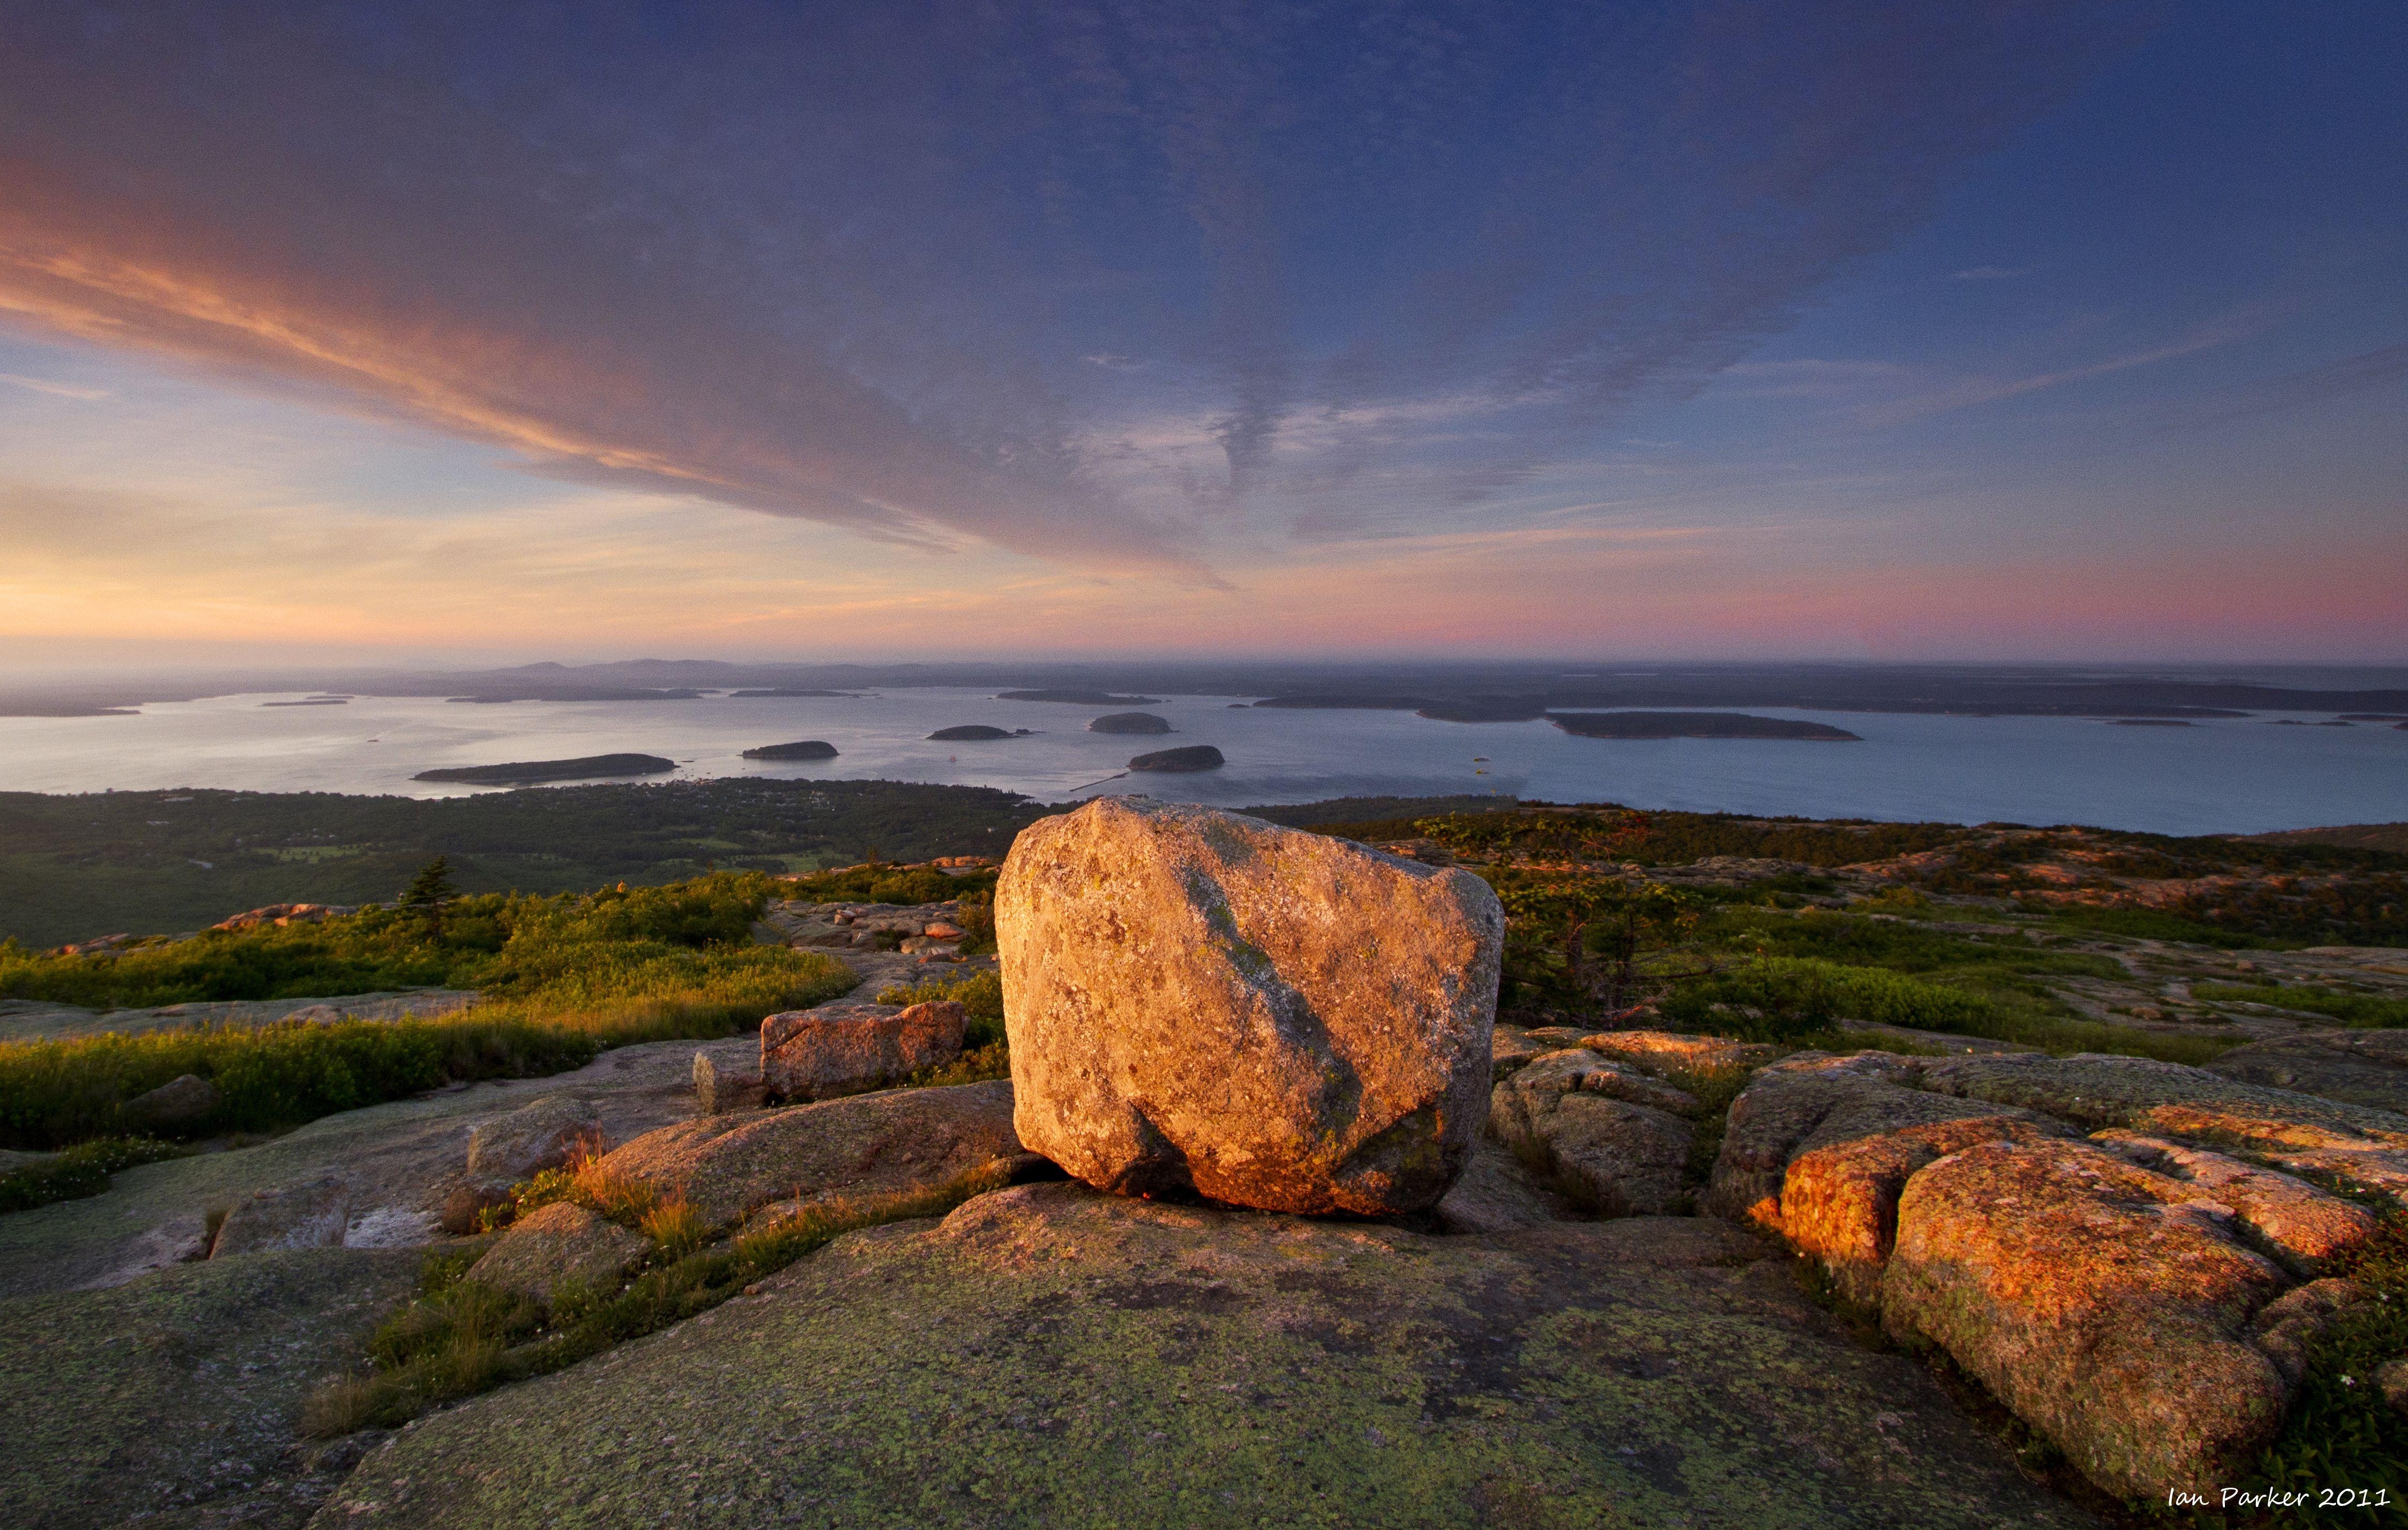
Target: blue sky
1848	331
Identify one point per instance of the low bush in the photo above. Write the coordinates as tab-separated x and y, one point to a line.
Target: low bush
568	977
901	886
980	995
2371	1010
2341	1432
78	1171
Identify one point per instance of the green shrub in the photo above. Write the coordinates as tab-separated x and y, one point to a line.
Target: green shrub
888	885
2341	1431
566	978
78	1171
981	996
2373	1010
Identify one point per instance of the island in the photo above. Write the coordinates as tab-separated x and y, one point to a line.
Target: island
313	701
1129	723
977	731
531	772
796	691
1190	757
1078	698
2152	722
810	749
1693	726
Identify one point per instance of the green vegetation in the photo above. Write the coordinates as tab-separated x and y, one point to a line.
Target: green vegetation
563	979
2341	1431
882	883
461	1337
80	1171
73	868
2350	1008
2142	924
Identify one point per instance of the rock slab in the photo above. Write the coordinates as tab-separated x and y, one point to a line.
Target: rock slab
1201	1002
555	1244
842	1049
537	1135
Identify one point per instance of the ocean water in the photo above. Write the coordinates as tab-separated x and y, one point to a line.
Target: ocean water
2231	775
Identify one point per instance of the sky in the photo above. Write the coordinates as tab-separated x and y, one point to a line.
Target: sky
431	333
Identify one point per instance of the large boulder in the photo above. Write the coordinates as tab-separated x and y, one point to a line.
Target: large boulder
555	1244
1050	1356
857	1147
2095	1299
1610	1138
537	1135
1202	1002
842	1049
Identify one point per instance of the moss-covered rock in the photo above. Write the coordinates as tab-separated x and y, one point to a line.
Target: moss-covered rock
177	1395
1053	1356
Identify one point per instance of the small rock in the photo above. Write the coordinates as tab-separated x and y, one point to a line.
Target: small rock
715	1092
939	930
1672	1051
310	1215
841	1049
2392	1381
2289	1324
174	1106
467	1203
559	1242
1611	1134
536	1137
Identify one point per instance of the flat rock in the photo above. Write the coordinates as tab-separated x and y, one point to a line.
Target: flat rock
2083	1292
2359	1067
403	1159
2290	1220
171	1400
1663	1053
1049	1356
1497	1193
1199	1001
537	1135
175	1106
557	1243
862	1145
843	1049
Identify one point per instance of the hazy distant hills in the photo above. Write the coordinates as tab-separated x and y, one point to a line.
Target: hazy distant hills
1466	693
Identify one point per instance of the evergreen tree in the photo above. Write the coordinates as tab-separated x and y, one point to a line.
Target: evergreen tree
428	893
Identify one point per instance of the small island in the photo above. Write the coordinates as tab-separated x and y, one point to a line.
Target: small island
810	749
1079	698
796	691
1192	757
313	701
531	772
2151	721
1129	723
1693	726
971	732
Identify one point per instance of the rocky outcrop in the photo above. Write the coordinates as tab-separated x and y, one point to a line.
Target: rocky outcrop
1051	1356
717	1089
2119	1292
2088	1295
843	1049
280	915
2304	1133
537	1135
2365	1068
556	1244
1609	1137
861	1145
1201	1002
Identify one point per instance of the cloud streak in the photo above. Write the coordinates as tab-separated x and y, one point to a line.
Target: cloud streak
914	271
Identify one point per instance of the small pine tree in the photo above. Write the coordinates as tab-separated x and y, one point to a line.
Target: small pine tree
428	893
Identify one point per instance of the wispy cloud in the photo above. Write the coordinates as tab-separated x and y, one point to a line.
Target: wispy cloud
56	390
1992	273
